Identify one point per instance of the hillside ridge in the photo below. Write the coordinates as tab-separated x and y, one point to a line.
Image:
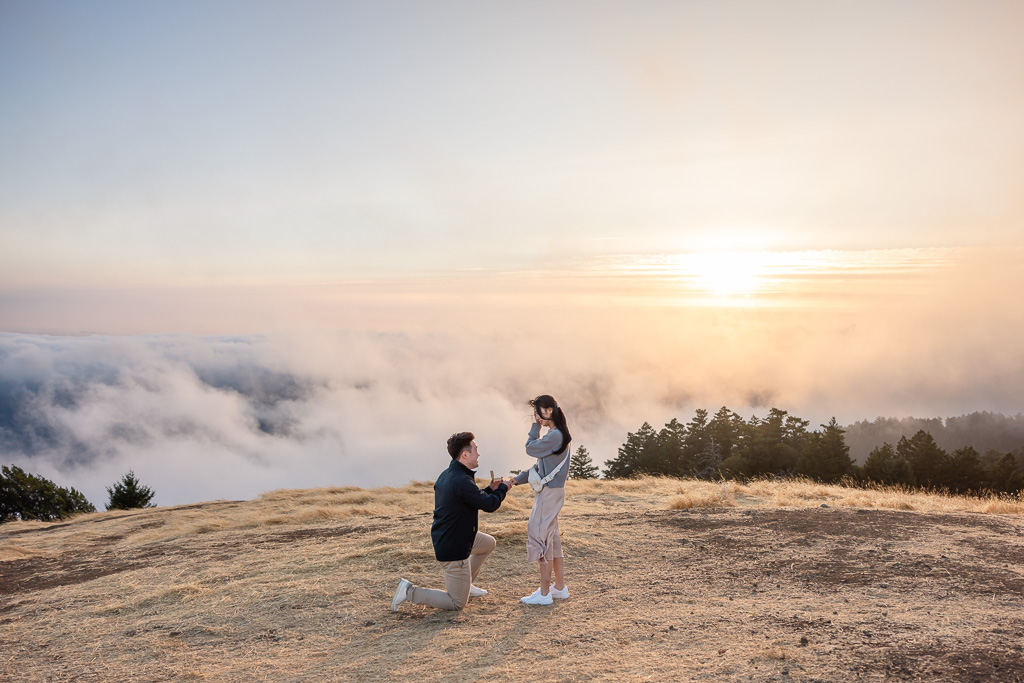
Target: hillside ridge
676	579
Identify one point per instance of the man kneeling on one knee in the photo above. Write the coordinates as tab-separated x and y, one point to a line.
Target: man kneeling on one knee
458	546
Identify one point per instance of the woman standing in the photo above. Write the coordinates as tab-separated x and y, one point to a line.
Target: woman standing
547	478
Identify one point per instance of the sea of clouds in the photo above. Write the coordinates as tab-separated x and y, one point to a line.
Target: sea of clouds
370	398
229	417
215	417
201	418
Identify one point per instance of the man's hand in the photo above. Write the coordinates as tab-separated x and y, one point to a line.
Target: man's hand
509	481
494	484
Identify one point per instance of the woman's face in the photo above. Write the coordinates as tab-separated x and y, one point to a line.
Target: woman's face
544	416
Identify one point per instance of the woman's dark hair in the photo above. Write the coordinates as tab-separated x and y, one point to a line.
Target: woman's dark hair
557	416
457	443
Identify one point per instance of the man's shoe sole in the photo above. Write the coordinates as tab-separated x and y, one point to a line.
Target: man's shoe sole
401	594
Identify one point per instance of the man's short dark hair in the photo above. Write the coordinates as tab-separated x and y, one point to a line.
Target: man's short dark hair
457	443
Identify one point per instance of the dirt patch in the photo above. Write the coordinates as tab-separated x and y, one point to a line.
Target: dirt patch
90	561
318	533
34	574
909	563
824	548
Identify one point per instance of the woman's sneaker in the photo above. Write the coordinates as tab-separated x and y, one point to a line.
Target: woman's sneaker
560	594
535	598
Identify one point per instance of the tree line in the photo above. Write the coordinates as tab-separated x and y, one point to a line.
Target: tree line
29	496
727	446
984	430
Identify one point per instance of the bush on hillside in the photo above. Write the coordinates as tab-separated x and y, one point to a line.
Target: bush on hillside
129	493
28	496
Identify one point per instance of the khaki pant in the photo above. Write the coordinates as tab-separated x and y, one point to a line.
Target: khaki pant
543	539
458	576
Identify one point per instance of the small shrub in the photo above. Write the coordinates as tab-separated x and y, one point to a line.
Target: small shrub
128	494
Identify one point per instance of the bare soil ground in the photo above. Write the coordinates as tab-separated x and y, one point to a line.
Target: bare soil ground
733	585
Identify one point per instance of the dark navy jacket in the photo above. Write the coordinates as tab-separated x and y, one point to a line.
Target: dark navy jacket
456	502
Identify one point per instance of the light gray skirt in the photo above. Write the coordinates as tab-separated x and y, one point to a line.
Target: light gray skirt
542	537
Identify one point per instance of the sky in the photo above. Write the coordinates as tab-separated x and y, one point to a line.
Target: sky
301	243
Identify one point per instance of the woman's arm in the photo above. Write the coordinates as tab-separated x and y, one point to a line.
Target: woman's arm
538	447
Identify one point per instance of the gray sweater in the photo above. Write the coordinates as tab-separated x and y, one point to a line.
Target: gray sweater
544	450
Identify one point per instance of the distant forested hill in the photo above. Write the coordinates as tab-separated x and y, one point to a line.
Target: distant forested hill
982	430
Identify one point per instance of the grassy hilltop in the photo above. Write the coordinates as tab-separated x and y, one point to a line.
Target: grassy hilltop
670	580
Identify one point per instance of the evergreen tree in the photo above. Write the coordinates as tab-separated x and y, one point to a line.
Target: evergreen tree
1005	476
696	440
966	471
885	466
129	493
709	462
727	429
581	466
825	456
28	496
635	455
772	445
929	463
667	456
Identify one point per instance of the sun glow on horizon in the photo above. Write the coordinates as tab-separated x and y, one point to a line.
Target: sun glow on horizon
724	273
759	278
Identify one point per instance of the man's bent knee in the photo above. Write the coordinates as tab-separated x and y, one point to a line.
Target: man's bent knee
484	544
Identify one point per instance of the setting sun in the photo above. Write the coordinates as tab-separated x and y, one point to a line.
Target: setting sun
725	273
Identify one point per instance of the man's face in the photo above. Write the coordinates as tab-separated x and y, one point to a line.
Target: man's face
471	458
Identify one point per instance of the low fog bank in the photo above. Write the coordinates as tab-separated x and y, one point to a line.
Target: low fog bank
982	430
226	417
201	418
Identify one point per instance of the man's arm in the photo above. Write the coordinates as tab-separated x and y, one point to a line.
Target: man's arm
486	499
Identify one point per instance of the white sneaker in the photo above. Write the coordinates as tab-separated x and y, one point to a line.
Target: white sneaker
535	598
560	594
401	594
475	592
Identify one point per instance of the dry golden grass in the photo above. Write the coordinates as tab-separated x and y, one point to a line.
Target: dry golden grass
671	580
